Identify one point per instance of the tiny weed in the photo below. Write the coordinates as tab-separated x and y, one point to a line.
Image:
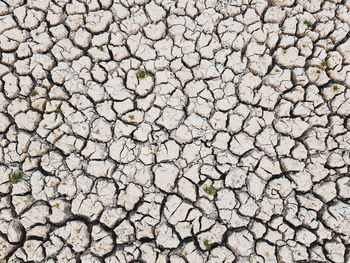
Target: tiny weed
308	23
335	88
34	93
10	39
207	244
101	48
59	111
210	190
15	177
142	74
324	63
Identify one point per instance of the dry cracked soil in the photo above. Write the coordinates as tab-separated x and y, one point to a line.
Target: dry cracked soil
163	131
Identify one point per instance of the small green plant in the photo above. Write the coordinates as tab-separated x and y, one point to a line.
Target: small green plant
16	177
210	190
308	23
59	111
142	74
101	48
324	63
335	88
34	93
206	244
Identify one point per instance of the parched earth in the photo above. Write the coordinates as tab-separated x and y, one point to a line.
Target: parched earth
174	131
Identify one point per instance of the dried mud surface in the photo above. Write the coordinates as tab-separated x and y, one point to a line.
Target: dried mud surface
157	131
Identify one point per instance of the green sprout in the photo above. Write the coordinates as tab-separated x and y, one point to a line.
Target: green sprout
142	74
324	63
101	48
308	23
59	111
15	177
210	190
34	93
207	245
